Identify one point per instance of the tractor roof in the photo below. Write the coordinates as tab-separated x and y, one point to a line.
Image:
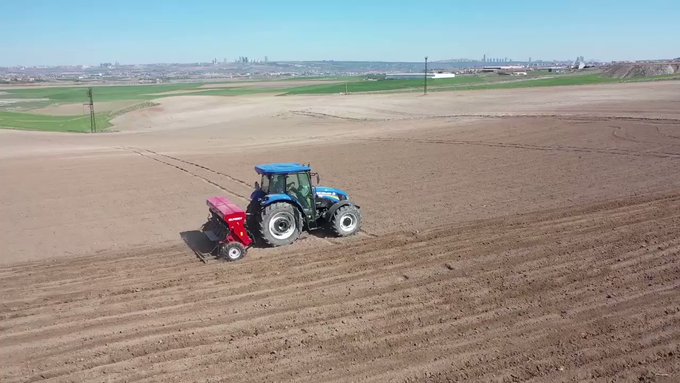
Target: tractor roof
282	168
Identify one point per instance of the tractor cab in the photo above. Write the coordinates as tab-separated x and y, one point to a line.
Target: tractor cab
289	185
288	180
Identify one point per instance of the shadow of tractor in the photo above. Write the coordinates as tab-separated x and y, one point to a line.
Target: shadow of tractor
205	249
197	241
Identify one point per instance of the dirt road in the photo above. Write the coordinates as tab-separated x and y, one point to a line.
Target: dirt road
508	237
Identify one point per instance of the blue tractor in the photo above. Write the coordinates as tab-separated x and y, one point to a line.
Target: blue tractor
285	202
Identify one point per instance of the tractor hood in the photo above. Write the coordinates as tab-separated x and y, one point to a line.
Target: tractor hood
331	194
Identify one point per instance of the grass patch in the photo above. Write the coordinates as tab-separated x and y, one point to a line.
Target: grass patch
41	97
655	78
557	80
75	124
384	85
27	121
76	95
458	83
233	91
68	95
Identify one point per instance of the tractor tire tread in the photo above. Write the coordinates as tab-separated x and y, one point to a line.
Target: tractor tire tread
266	213
335	221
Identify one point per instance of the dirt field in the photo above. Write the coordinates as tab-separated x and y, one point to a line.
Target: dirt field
509	236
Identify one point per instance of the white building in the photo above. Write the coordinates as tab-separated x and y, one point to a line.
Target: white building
417	76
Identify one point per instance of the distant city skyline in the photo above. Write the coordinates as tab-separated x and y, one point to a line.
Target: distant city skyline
79	32
256	61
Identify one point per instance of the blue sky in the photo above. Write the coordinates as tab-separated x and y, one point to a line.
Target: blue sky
147	31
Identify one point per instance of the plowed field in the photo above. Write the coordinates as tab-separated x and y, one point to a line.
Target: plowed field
527	235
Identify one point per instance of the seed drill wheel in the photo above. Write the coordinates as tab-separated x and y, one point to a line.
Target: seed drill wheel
280	224
346	221
232	251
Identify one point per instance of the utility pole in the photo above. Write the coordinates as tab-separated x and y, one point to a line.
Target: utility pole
425	78
93	124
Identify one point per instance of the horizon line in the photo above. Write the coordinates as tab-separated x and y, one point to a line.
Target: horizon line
258	61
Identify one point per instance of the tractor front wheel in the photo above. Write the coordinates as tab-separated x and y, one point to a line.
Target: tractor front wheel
280	224
346	221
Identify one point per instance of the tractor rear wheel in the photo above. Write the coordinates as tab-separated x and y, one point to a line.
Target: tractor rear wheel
280	224
346	221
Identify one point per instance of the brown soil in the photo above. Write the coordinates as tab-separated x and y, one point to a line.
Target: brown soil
633	70
509	236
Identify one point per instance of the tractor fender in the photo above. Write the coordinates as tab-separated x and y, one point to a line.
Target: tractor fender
273	198
331	211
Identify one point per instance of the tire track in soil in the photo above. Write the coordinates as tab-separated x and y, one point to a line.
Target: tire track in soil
320	115
362	231
239	181
671	136
565	294
571	149
622	133
154	156
564	117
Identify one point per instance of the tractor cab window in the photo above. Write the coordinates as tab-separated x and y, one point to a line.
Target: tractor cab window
299	187
277	184
264	184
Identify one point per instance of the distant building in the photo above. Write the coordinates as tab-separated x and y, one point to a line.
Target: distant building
443	75
417	76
